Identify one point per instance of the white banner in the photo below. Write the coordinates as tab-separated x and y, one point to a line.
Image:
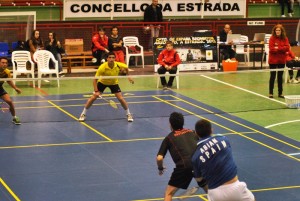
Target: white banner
136	8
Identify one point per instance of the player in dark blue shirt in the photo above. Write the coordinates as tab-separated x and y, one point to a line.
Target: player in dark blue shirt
181	143
213	161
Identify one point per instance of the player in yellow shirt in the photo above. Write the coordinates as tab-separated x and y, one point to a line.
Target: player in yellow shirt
5	73
109	68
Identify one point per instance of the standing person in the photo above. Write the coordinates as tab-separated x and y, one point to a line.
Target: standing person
100	46
35	42
278	46
289	4
292	62
189	56
152	14
54	46
5	73
213	161
226	50
181	143
169	60
115	44
109	68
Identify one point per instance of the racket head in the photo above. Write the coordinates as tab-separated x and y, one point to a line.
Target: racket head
113	104
4	107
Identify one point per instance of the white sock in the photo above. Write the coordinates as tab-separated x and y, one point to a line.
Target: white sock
127	111
84	111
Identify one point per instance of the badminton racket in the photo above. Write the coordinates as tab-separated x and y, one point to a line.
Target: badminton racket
4	107
112	103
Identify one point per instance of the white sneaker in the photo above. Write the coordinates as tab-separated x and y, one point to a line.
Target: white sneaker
129	118
189	192
282	15
290	14
82	118
294	81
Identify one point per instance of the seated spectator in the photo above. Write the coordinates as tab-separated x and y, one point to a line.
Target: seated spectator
54	46
100	46
35	42
227	51
115	44
292	62
169	60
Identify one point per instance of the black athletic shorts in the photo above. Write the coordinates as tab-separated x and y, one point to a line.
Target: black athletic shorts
2	91
181	177
113	88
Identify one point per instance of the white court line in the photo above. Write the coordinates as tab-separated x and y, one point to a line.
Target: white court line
294	154
271	99
286	122
240	88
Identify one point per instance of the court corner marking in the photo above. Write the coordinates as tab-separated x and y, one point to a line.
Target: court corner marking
9	190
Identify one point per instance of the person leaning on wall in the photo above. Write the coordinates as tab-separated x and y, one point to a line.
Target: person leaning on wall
289	4
153	13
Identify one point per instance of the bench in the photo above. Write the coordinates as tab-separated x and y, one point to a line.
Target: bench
78	59
84	58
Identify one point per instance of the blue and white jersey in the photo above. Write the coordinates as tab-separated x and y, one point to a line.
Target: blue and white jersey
213	161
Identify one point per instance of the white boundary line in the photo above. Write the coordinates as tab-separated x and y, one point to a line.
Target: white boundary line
271	99
294	154
285	122
251	92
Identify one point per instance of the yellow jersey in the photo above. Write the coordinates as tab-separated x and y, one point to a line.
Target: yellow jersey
5	74
105	70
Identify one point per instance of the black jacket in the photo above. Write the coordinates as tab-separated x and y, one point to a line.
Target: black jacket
151	16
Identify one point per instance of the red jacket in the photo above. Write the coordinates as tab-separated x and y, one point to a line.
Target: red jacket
170	58
289	55
99	43
278	55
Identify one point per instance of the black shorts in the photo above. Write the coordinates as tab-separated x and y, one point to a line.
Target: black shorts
113	88
2	91
181	177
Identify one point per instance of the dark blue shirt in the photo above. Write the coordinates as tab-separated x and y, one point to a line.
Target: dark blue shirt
213	161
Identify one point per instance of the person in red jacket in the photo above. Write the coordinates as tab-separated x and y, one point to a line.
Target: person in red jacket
100	46
169	60
292	62
279	45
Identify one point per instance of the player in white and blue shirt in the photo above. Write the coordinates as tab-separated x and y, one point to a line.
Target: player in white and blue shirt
213	161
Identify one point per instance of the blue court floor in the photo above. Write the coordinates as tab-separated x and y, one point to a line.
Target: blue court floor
53	157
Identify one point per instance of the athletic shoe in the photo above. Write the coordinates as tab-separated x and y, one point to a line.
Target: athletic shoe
82	117
129	118
290	15
282	15
165	87
16	121
189	192
294	81
61	72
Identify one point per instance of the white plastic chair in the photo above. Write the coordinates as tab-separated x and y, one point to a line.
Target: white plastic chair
241	49
168	74
132	41
43	57
19	60
266	47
